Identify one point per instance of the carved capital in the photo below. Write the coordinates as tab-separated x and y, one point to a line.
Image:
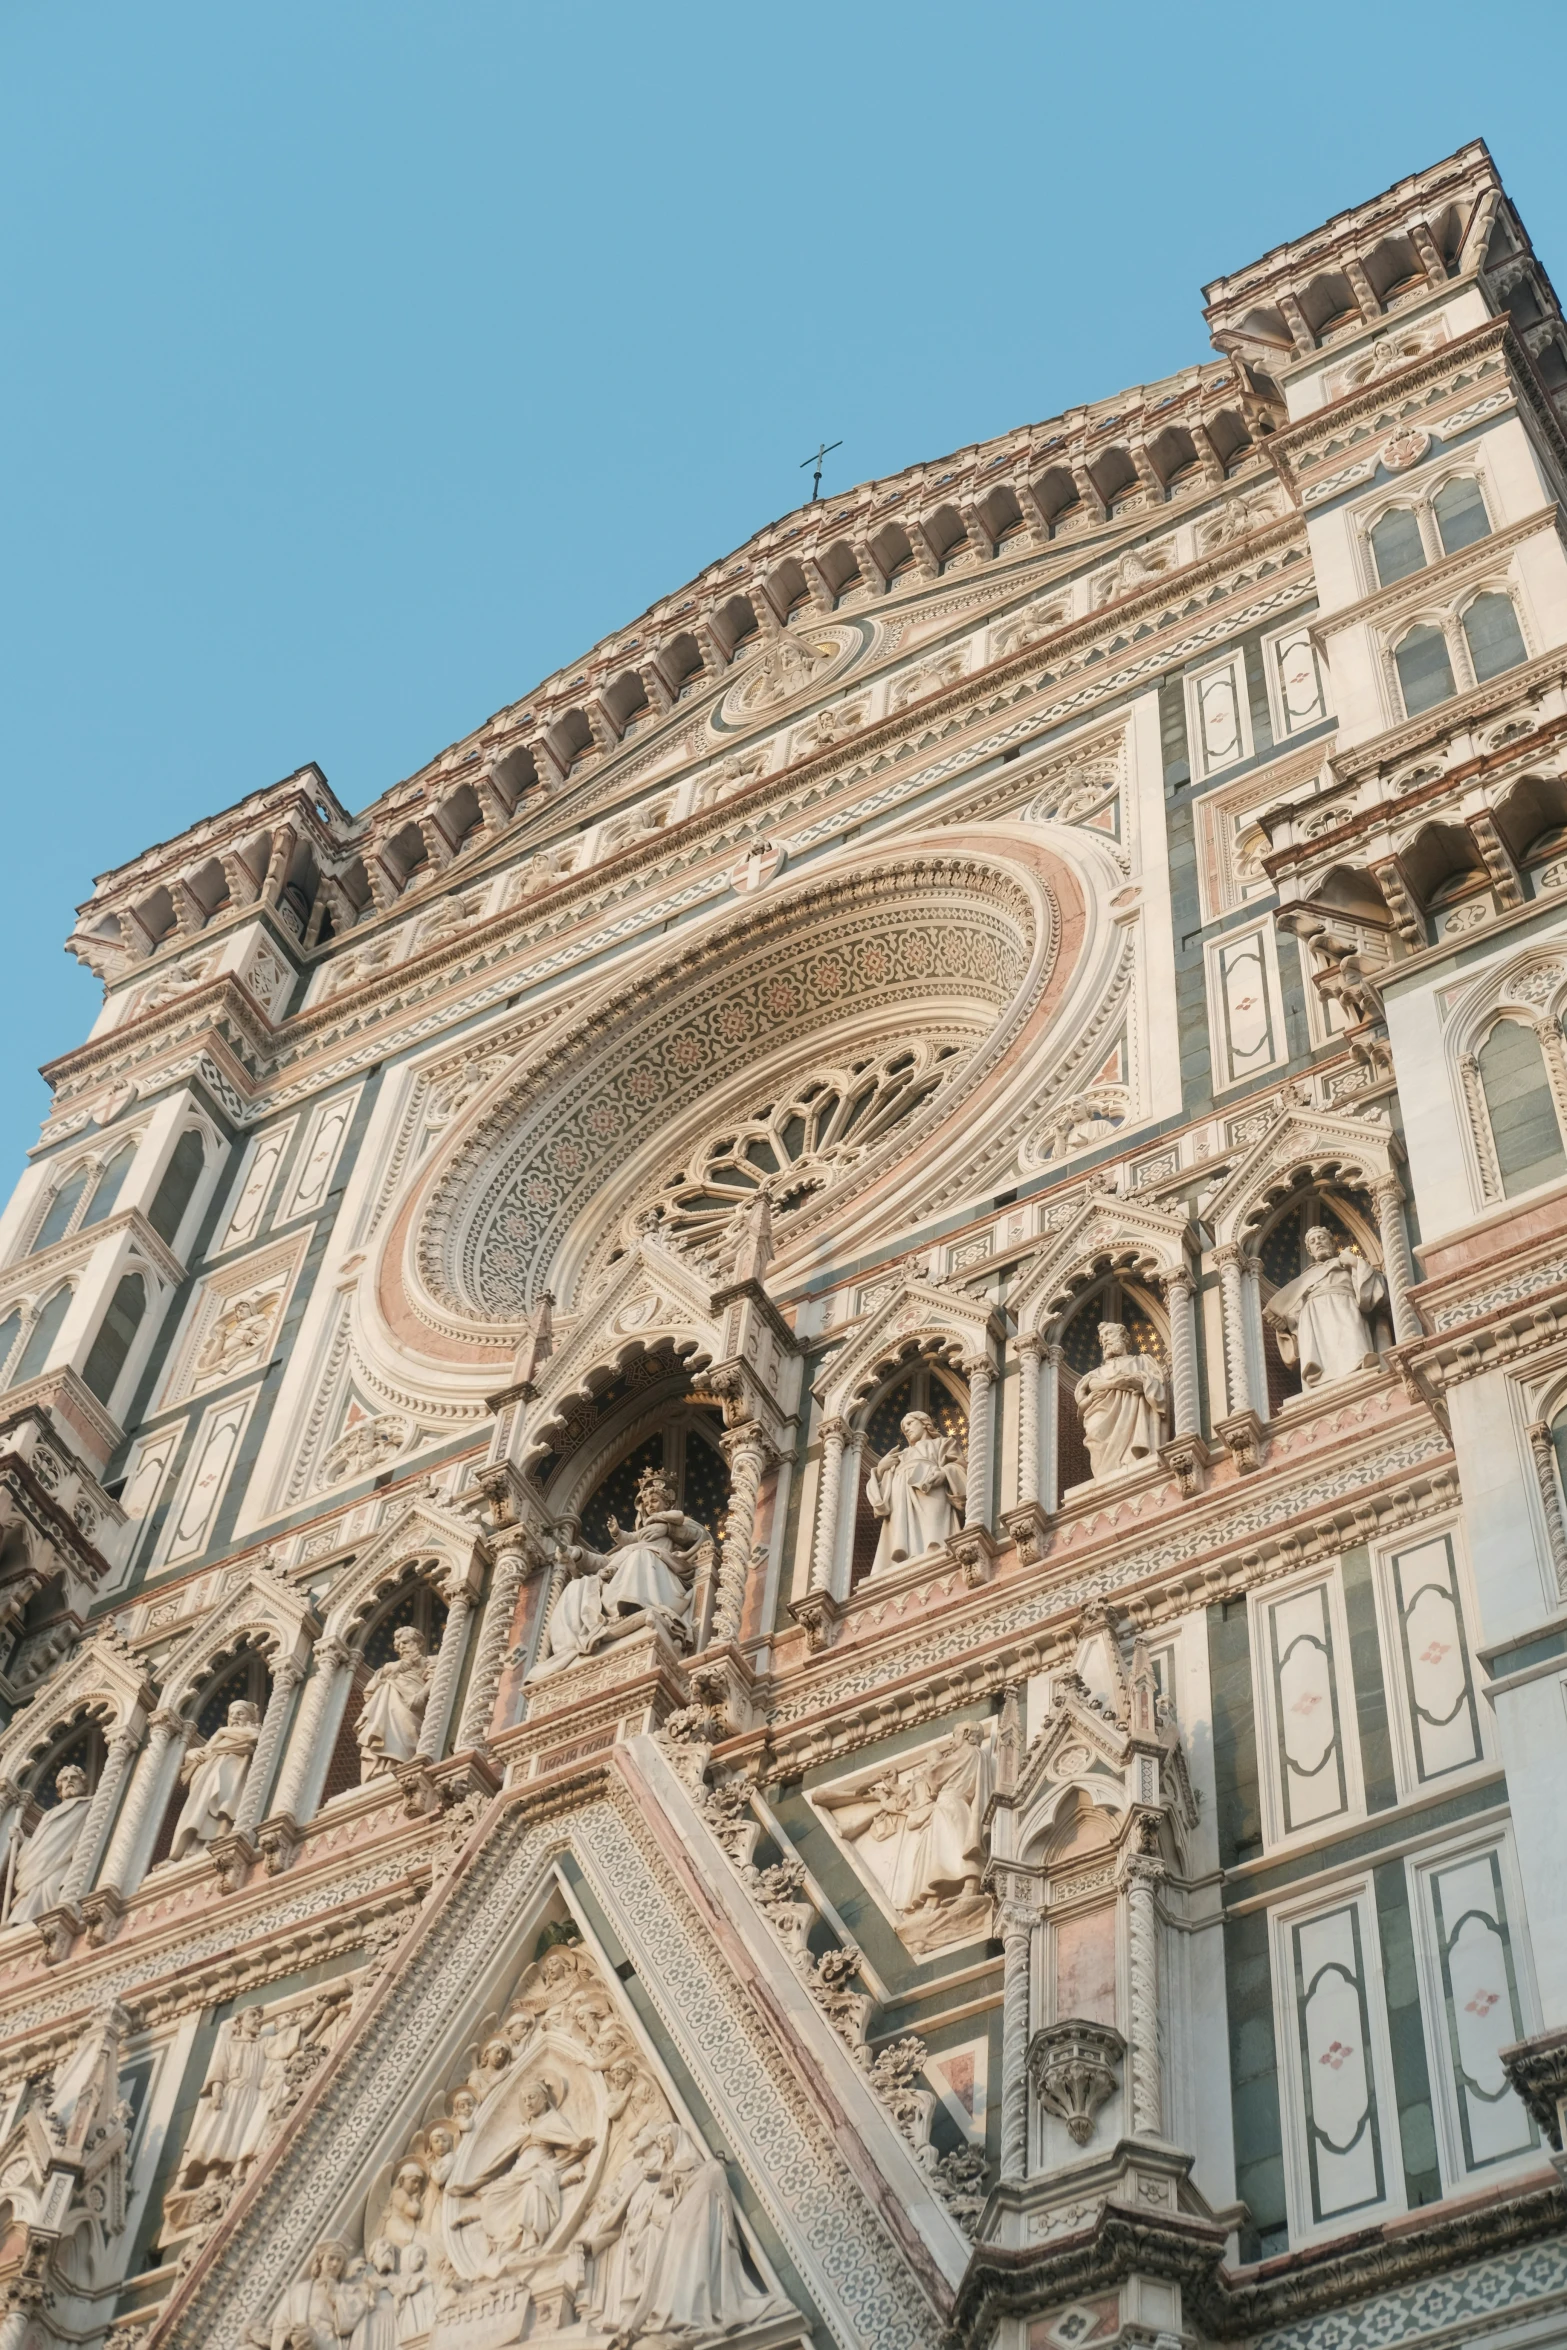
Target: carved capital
332	1654
819	1613
1244	1435
1030	1346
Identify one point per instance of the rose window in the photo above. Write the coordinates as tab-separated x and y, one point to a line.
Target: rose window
799	1143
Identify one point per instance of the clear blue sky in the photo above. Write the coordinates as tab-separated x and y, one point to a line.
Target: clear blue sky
366	360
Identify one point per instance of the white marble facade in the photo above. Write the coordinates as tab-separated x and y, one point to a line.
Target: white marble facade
804	1579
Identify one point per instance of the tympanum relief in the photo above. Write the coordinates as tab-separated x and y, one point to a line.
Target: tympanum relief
552	2194
916	1830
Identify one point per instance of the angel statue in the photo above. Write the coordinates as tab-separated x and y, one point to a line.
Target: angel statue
647	1572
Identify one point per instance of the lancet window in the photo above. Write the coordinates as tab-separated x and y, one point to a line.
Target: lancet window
1525	1129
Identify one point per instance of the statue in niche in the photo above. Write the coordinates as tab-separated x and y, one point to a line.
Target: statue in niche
396	1695
215	1774
566	2202
1122	1404
919	1828
646	1574
917	1490
1323	1319
44	1859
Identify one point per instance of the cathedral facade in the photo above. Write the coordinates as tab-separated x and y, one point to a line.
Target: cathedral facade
784	1546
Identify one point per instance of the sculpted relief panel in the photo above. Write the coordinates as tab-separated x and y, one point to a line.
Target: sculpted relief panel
915	1829
551	2194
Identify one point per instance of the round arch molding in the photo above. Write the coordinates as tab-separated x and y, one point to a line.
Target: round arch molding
966	950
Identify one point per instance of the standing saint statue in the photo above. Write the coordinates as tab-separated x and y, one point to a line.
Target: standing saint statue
396	1695
215	1774
1323	1318
231	2112
44	1860
917	1490
1122	1403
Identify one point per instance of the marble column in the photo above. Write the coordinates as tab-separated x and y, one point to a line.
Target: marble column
1029	1480
746	1449
122	1752
1015	1926
165	1728
1543	1453
514	1562
1140	1876
1050	1425
332	1658
448	1664
835	1433
1180	1299
1397	1262
286	1677
1237	1348
981	1374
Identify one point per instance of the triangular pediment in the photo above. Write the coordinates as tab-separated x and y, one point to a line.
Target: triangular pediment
102	1678
259	1609
917	1318
1132	1235
1299	1141
560	2035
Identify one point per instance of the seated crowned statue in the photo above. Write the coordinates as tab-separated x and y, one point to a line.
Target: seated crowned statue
647	1571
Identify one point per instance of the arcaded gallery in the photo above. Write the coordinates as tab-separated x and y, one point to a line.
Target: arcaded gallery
784	1538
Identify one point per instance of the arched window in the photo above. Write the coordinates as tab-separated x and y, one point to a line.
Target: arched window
1397	545
111	1176
1460	514
62	1210
10	1332
928	1389
1425	674
106	1358
180	1178
1495	638
40	1343
1524	1124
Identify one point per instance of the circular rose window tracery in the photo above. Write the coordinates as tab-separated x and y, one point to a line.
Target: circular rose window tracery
798	1048
799	1142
